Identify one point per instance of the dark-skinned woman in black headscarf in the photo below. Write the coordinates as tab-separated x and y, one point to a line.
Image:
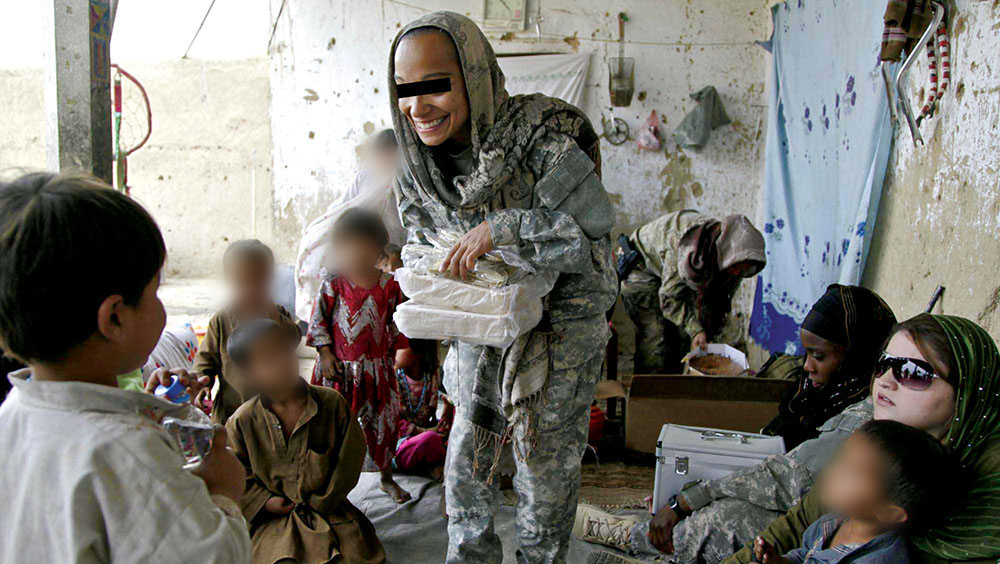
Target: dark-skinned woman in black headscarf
843	335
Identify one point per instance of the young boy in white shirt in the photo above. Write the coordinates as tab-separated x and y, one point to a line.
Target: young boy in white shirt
88	473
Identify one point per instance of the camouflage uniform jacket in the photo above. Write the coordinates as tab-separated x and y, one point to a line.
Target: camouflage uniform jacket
549	216
779	482
657	242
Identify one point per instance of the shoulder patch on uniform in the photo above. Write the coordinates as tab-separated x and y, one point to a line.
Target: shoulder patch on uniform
563	178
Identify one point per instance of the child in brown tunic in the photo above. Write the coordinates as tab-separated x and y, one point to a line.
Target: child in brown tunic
303	451
249	268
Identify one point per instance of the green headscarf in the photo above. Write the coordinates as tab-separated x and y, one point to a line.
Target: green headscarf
972	530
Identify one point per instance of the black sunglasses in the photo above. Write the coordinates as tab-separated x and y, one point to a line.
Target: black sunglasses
909	372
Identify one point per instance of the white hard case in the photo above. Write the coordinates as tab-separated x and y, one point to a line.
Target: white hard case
687	454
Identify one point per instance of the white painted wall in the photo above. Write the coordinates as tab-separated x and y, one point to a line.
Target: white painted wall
206	172
939	220
328	82
328	90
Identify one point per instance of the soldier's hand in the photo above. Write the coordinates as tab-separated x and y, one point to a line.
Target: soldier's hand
699	341
462	257
661	530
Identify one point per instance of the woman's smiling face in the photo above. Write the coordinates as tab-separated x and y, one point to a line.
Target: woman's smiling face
435	117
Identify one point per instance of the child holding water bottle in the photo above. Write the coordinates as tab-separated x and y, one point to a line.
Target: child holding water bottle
89	473
353	331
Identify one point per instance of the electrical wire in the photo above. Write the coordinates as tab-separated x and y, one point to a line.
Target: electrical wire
186	51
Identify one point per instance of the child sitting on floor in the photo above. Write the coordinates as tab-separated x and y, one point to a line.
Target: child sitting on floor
248	266
353	331
89	473
422	436
887	479
303	451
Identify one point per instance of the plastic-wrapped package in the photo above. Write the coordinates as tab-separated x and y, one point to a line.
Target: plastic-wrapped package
446	239
445	292
496	268
500	300
427	259
420	321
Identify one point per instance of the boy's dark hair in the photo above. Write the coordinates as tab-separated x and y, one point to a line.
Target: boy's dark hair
67	243
922	475
245	337
392	250
358	223
385	140
248	250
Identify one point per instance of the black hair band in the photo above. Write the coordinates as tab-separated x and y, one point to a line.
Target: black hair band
424	87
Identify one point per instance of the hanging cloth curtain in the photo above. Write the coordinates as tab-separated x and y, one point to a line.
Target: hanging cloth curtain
558	76
828	144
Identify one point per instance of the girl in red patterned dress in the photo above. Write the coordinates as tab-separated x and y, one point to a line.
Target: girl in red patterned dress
353	332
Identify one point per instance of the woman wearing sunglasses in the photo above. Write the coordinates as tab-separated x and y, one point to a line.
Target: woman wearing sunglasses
843	336
941	374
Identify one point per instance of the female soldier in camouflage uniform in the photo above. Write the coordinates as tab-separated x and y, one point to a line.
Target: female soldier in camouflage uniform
521	172
681	292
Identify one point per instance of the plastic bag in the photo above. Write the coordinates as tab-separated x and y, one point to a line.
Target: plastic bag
697	126
439	291
421	321
500	300
647	138
496	268
427	259
446	239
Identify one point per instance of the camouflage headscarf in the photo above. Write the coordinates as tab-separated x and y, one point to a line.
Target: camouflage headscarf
503	126
972	529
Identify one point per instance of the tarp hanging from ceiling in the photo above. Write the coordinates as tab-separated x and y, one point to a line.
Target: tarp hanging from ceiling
559	76
828	144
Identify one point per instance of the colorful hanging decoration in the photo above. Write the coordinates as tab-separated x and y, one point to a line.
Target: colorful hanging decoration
939	62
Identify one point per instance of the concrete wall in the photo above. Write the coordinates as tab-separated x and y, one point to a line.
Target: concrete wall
328	78
939	221
207	163
205	174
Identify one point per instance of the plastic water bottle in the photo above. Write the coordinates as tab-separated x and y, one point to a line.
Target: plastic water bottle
189	426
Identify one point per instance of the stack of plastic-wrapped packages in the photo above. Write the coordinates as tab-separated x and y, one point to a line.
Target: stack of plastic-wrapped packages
500	299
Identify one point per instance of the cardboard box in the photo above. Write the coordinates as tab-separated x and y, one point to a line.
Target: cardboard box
716	402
